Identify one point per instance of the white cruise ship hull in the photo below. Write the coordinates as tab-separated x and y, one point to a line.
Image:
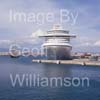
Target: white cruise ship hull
58	52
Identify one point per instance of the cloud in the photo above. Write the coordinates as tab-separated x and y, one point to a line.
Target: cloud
97	43
5	41
37	33
16	29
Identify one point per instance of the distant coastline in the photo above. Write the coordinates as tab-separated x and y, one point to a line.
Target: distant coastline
77	61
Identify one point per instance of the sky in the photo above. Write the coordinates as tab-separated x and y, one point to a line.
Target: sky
86	27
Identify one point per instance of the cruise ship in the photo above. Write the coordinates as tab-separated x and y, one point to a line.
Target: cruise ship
57	44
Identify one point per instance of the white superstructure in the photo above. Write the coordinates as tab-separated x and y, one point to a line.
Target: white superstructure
59	40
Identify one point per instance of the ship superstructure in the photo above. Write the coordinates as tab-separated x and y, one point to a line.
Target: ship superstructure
57	44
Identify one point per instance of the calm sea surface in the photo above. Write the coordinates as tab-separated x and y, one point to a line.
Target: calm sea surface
25	66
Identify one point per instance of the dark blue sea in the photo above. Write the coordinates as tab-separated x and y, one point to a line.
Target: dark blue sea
24	65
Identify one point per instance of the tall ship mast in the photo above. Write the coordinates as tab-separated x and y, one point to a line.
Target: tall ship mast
57	44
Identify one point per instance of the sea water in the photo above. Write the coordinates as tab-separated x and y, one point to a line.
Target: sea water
25	66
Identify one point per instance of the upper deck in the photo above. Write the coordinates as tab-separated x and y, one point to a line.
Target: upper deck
57	31
59	35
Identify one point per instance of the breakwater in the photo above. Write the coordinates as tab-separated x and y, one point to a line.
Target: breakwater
75	61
